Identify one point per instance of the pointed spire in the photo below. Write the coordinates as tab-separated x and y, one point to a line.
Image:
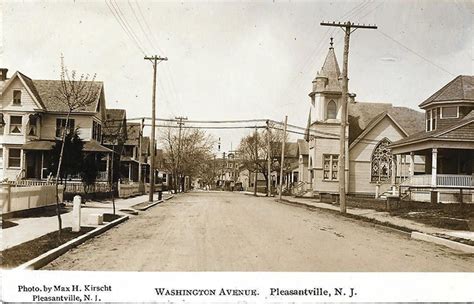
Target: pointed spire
306	133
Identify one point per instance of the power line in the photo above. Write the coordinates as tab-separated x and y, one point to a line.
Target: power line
119	21
140	25
123	17
416	53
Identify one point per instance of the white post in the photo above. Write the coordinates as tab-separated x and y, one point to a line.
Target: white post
412	164
434	164
377	190
76	214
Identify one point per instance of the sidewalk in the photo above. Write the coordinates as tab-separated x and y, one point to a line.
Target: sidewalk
33	227
383	217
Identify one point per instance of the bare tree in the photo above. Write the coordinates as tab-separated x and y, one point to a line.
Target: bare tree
194	152
254	153
74	93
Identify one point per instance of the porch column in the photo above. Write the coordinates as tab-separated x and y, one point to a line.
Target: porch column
107	166
130	171
434	163
411	171
394	171
399	166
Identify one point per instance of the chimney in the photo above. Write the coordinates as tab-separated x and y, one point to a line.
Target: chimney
3	74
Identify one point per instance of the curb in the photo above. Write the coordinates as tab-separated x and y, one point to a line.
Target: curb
154	204
49	256
396	228
413	233
441	241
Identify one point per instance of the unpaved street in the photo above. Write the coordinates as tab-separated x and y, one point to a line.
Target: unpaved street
234	232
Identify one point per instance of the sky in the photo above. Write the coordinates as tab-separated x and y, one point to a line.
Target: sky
239	60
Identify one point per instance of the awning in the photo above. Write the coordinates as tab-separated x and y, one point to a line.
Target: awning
93	146
41	145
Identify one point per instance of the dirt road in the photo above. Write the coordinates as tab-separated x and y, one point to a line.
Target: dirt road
235	232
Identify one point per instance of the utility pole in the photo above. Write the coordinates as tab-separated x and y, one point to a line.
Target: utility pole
269	160
140	142
180	123
348	28
256	161
283	142
154	60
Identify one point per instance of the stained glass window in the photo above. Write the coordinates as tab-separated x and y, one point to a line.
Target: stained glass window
330	166
381	162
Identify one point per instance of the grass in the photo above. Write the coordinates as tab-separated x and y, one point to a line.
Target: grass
17	255
448	216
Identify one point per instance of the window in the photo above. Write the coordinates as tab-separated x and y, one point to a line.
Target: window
2	123
14	158
96	131
381	166
431	119
16	97
15	124
331	110
449	112
330	166
1	158
32	128
61	125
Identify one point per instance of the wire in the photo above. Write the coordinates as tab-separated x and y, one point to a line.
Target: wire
140	24
417	54
120	13
120	21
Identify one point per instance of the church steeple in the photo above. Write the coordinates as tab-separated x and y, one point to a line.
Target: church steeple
330	71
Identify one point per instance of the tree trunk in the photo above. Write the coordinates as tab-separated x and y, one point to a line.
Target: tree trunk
58	211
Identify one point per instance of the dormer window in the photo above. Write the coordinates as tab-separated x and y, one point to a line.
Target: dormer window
331	112
450	112
16	97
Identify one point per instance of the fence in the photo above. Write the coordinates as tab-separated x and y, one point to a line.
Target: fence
28	197
128	190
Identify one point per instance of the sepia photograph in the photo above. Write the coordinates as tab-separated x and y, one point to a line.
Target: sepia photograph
263	142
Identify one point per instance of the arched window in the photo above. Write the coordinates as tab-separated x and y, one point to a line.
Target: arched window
331	110
381	166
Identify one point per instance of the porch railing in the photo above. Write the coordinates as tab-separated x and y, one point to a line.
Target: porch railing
445	180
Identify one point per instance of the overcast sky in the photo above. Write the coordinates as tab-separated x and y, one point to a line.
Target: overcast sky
240	60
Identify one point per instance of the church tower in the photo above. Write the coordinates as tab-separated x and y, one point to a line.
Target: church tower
327	90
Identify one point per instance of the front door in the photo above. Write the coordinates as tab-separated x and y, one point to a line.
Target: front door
33	164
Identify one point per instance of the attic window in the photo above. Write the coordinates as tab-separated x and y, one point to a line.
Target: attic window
16	97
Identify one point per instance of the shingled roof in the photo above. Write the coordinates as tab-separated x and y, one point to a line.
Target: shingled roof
113	125
423	135
303	146
459	89
331	70
29	82
133	133
48	92
361	114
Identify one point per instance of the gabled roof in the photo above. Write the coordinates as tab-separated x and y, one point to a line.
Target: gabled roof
48	91
114	127
291	149
361	114
29	86
133	133
303	147
460	88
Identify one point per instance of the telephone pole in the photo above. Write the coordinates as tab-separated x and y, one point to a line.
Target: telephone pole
154	60
256	163
348	28
283	142
180	123
269	161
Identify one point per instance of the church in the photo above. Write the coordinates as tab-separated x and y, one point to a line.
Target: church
371	128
